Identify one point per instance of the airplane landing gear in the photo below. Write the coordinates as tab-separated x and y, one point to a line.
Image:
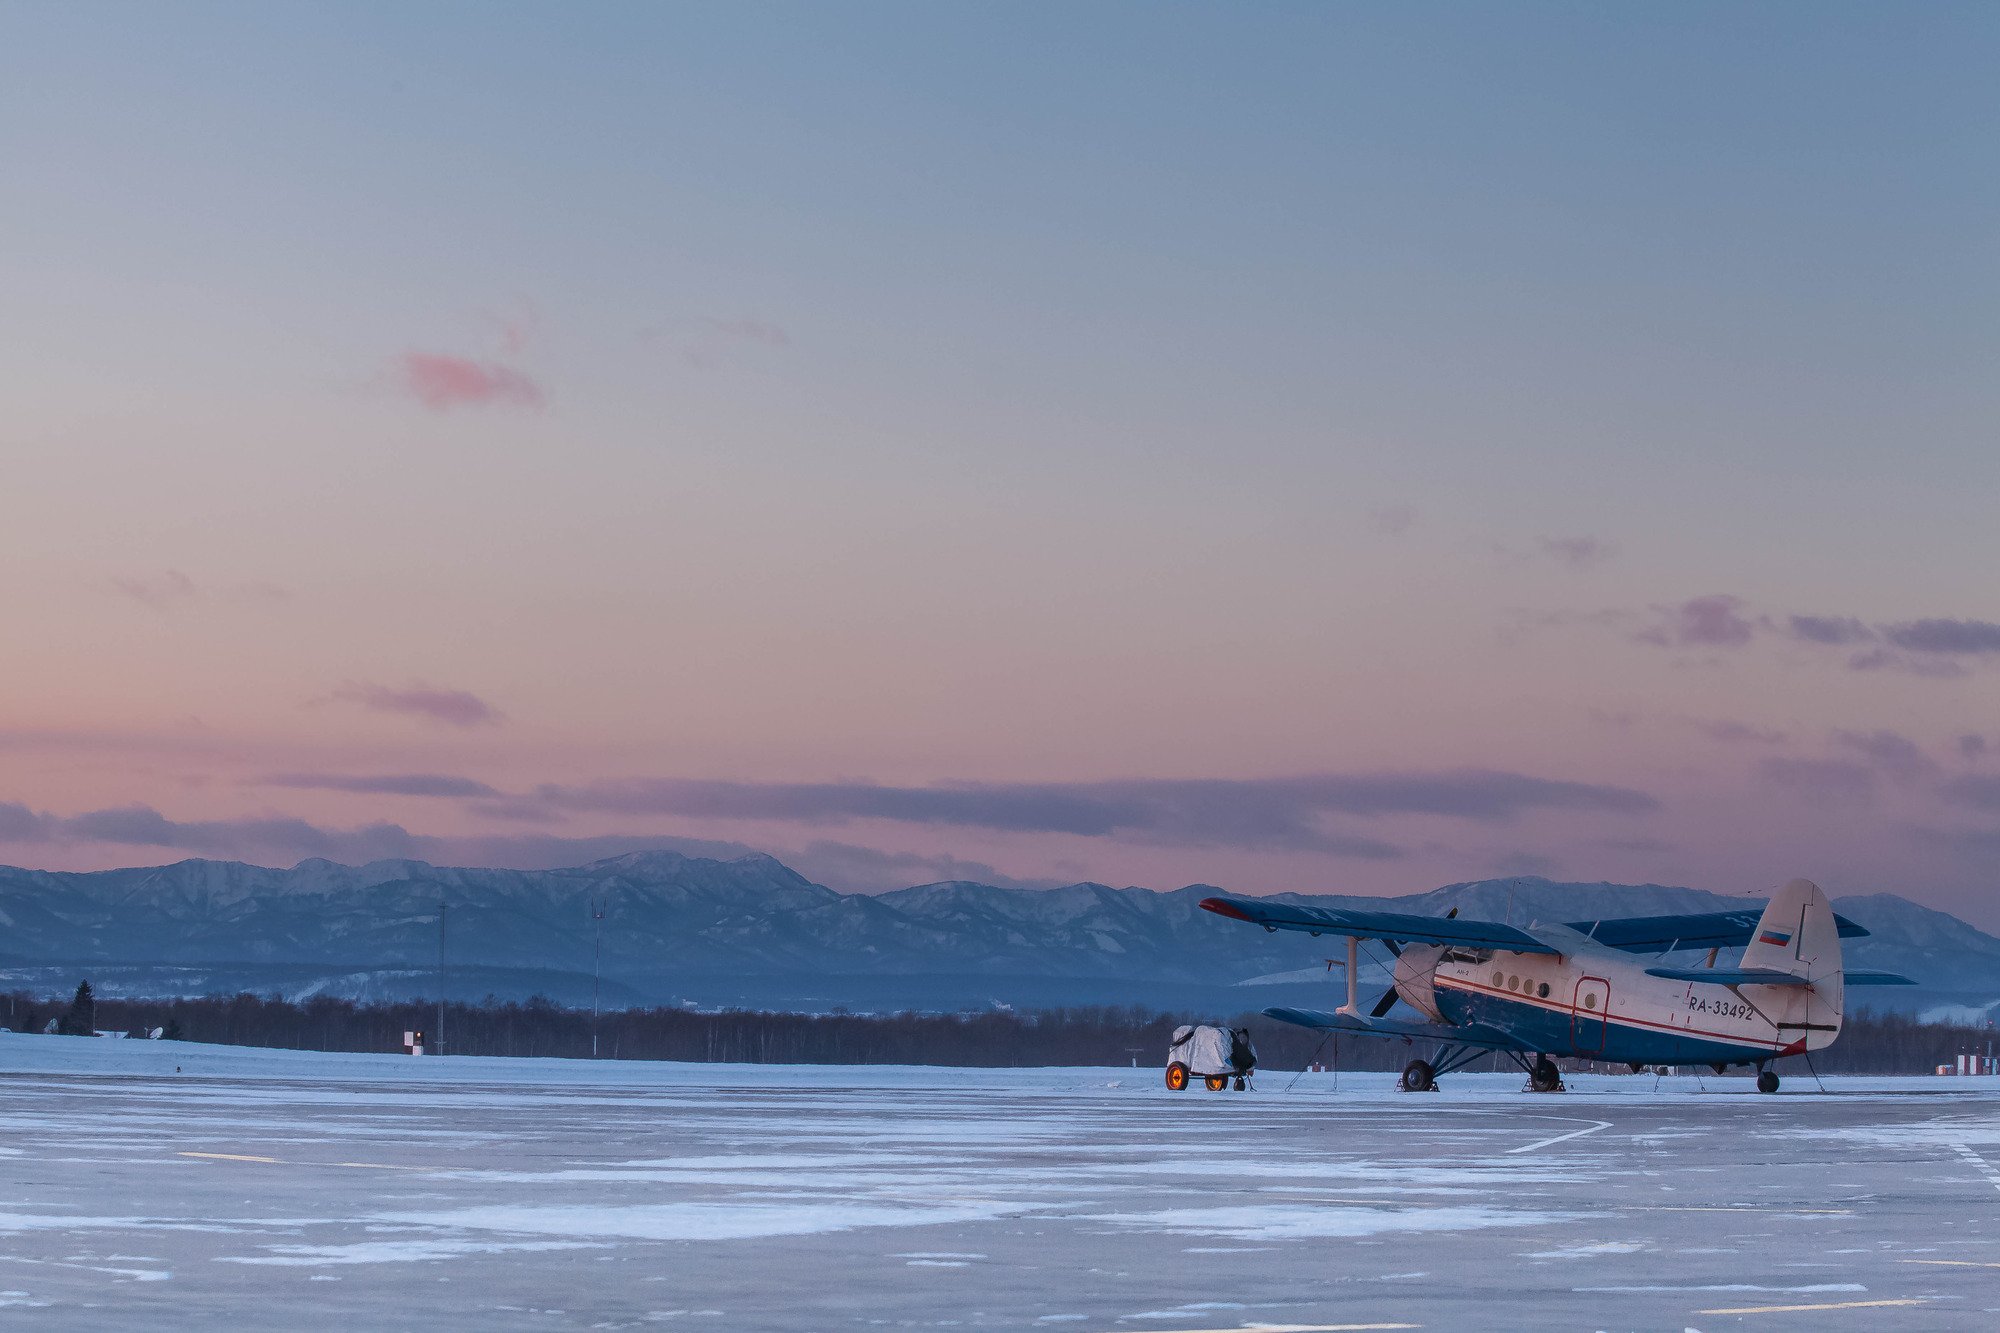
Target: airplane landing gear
1766	1081
1418	1076
1544	1076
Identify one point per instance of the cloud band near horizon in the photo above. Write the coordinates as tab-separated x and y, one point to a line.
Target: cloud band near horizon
1281	813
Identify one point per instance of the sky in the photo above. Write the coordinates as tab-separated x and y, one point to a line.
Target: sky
1287	447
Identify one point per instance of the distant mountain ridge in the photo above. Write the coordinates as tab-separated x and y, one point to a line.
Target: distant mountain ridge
752	931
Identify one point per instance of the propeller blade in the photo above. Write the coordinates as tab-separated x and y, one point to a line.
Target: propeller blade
1385	1004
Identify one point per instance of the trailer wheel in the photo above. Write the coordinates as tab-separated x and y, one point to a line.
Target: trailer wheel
1177	1074
1215	1082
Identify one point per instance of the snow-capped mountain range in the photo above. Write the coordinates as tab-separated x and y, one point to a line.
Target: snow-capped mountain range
753	932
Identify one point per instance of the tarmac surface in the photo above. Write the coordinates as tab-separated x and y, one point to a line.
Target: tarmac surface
276	1189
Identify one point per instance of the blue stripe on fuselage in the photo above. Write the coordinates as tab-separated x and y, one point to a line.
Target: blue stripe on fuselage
1547	1029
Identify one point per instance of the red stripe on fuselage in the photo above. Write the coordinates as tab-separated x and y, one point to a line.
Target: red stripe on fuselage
1515	996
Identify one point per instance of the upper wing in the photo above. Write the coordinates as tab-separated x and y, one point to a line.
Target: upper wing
1473	1034
1377	925
1764	976
1699	930
1731	976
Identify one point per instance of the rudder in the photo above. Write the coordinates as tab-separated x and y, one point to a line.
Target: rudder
1797	934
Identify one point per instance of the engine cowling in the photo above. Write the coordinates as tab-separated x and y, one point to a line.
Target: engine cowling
1416	969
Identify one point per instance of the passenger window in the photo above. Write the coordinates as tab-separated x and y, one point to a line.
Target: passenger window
1543	990
1499	979
1513	983
1590	1001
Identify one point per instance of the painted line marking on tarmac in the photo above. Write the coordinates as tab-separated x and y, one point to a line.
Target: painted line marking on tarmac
1950	1263
279	1161
231	1157
1984	1167
1827	1305
1733	1208
1287	1328
1562	1138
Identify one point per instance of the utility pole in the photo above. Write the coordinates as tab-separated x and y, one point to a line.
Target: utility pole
440	1040
596	970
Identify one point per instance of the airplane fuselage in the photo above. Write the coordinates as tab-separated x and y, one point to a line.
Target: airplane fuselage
1595	1003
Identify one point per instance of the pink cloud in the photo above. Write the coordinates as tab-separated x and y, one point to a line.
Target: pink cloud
457	708
707	342
1713	621
171	586
515	329
1581	552
441	382
752	330
1395	519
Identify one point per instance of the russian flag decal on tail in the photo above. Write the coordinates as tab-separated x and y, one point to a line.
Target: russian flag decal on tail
1778	937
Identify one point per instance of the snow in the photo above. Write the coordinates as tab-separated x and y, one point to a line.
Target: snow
151	1179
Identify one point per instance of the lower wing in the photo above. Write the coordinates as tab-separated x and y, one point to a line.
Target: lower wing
1470	1035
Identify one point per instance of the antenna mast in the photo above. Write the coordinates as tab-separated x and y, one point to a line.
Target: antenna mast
596	970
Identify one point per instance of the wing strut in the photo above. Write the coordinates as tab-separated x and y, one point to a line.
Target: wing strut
1353	1006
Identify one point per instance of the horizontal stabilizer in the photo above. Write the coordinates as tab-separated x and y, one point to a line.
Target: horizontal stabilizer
1877	979
1731	976
1698	930
1470	1035
1377	925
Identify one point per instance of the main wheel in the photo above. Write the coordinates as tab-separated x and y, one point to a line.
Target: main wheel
1418	1077
1215	1082
1767	1081
1177	1074
1544	1077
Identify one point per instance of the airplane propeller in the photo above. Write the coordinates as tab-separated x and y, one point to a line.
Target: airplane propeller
1389	996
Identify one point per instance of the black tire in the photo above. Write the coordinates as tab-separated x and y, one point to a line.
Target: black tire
1419	1077
1767	1081
1240	1084
1545	1077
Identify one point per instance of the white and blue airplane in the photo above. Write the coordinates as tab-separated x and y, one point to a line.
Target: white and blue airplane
1587	990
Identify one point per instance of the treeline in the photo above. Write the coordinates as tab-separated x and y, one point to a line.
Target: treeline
1870	1044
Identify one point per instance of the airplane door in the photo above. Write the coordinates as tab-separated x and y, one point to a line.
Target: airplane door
1587	1010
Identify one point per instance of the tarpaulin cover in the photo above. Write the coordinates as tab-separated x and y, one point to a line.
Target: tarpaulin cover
1212	1050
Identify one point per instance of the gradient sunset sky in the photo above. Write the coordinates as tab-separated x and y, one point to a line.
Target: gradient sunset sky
1335	448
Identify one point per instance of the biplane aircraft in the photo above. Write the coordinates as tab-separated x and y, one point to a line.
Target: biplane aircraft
1594	990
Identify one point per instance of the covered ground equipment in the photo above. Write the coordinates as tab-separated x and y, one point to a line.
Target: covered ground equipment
1216	1055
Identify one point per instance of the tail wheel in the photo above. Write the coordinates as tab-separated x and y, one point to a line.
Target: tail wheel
1240	1085
1767	1081
1215	1082
1418	1076
1177	1076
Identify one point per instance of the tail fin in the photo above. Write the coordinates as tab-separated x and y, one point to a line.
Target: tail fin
1797	934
